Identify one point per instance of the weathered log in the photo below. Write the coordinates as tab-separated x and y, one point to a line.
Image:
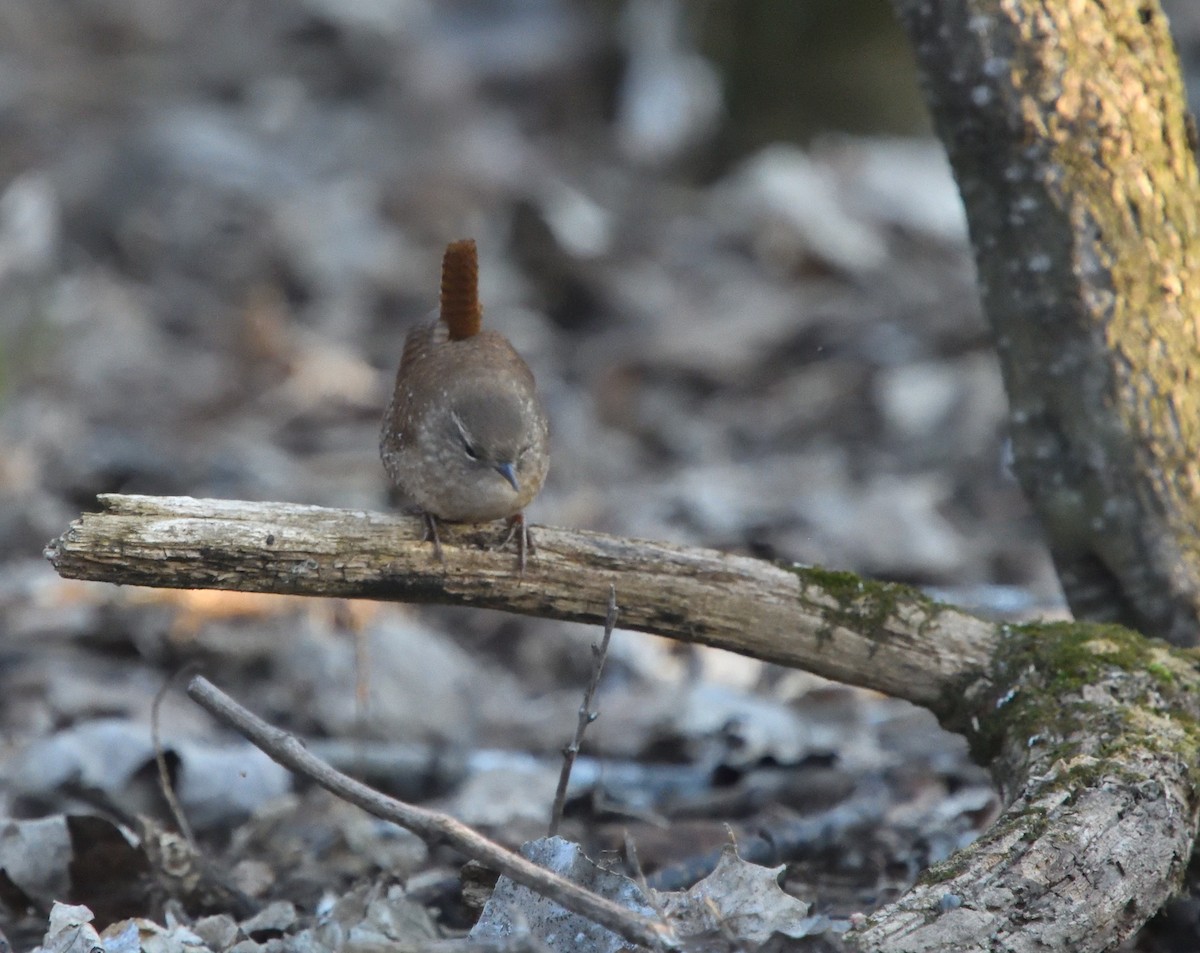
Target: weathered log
886	636
1092	732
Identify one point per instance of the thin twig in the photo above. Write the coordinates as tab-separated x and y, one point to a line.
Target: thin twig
362	693
160	758
432	826
586	714
634	862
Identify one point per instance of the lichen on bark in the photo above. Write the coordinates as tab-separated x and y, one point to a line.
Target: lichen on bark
1066	126
1093	735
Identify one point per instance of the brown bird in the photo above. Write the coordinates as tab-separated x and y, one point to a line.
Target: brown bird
465	437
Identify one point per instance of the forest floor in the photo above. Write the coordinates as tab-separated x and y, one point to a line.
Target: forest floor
218	221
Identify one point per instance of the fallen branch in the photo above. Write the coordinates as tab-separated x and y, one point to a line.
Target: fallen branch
1092	732
432	826
882	636
585	715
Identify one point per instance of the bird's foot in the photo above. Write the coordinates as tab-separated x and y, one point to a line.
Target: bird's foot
520	529
431	535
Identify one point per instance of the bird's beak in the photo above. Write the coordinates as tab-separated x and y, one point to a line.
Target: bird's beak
509	472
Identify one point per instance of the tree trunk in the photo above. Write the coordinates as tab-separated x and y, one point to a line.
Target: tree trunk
1067	130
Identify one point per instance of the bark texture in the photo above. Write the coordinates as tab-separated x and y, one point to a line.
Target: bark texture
1092	731
1067	130
886	636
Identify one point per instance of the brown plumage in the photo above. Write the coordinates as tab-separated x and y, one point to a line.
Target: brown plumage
461	311
465	436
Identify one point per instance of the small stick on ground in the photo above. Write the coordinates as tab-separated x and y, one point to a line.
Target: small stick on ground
432	826
586	714
160	759
635	863
362	691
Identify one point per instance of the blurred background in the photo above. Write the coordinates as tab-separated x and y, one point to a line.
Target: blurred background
754	323
719	232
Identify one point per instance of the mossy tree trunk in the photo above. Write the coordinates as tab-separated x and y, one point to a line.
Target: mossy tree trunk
1067	130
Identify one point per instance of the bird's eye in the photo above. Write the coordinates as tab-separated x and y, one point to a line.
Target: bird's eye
468	447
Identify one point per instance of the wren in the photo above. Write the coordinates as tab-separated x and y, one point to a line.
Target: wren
465	438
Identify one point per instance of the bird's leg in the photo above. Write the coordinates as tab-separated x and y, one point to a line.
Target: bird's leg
519	528
431	534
